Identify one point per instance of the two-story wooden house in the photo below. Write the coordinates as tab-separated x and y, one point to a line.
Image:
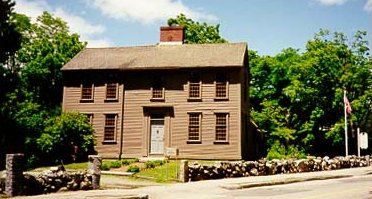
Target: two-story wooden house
143	99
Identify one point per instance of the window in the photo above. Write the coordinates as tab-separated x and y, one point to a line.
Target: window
87	92
221	86
110	128
112	91
157	89
194	86
221	127
194	127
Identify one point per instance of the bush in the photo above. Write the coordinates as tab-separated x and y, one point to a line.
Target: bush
133	169
105	166
149	164
68	137
115	164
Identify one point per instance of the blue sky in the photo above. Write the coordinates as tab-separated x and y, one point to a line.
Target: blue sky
268	26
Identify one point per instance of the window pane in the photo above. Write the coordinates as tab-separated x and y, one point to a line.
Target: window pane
157	93
194	126
194	90
110	125
221	85
111	91
86	92
221	126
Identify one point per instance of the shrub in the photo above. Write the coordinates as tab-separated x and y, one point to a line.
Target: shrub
126	162
115	164
159	162
133	169
149	165
105	166
68	137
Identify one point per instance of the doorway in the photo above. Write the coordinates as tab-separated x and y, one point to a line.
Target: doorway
157	135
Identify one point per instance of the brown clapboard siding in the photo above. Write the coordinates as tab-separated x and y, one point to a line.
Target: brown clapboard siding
138	107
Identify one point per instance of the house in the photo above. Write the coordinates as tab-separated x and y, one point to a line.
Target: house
142	100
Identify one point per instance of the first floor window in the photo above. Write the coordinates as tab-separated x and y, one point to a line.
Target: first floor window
221	126
110	127
194	127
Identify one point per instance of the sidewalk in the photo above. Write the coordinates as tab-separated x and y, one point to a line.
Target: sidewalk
206	189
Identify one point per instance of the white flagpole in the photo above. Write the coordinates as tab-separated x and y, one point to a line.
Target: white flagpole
346	143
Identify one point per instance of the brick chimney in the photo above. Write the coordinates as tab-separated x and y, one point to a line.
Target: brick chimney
172	35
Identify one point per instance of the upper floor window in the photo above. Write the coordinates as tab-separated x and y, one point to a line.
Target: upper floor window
194	127
221	127
221	86
110	128
112	91
194	86
87	91
157	89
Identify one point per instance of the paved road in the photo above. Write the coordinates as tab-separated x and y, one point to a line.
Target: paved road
359	187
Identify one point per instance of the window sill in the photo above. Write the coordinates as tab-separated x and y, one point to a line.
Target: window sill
193	142
86	101
221	99
194	99
157	99
109	142
221	142
111	100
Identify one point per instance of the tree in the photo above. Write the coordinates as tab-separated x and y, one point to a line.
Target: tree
298	98
48	47
197	33
9	36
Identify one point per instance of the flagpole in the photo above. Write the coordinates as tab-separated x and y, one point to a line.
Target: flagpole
346	142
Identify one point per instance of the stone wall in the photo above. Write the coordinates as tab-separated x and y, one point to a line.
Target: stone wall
263	167
55	179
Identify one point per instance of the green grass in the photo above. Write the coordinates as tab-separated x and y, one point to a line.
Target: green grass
165	173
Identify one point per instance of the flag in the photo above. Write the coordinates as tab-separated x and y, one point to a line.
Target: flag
347	105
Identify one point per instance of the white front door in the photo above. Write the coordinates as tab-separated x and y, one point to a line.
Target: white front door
157	136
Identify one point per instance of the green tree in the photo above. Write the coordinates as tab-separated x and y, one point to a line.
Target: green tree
197	33
297	98
49	45
10	40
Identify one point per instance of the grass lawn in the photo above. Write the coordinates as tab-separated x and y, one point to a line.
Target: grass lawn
165	173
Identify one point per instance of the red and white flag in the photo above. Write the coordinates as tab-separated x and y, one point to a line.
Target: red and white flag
347	105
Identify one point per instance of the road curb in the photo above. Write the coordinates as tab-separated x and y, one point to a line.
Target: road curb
279	182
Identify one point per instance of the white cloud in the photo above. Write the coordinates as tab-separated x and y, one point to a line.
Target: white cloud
146	11
331	2
368	5
77	24
96	43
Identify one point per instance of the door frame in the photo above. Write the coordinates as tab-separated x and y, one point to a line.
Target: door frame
156	118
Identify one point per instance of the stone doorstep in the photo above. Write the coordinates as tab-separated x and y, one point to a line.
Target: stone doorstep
245	185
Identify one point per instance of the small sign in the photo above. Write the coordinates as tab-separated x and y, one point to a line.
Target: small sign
363	140
171	151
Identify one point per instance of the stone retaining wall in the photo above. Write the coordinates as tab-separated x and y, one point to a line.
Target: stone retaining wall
53	180
225	169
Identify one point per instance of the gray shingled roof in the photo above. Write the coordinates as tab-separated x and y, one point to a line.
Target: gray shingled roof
159	57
